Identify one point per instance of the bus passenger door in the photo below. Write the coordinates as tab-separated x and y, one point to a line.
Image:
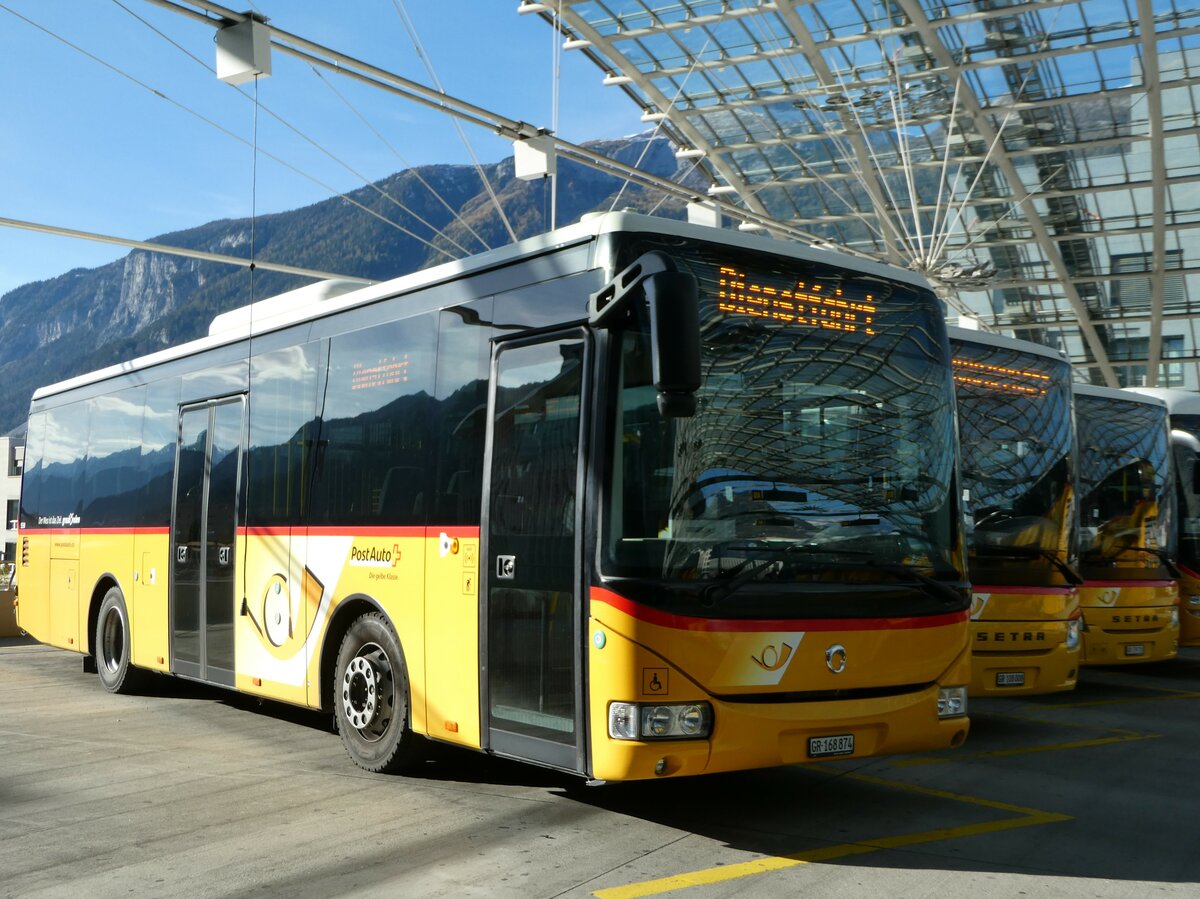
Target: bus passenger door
531	649
208	465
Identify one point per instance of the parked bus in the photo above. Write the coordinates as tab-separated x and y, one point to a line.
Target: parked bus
1018	470
1130	597
631	499
1183	408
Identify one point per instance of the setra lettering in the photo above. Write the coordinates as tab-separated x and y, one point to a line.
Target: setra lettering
1010	637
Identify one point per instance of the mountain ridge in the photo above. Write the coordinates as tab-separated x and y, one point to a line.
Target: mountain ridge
89	318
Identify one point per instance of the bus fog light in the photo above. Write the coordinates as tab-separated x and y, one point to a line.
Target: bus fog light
1074	632
622	720
952	702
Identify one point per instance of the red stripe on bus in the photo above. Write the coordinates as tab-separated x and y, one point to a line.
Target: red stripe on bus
430	531
686	623
1192	574
1053	591
89	532
1130	583
397	531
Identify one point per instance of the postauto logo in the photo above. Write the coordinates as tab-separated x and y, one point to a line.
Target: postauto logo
374	556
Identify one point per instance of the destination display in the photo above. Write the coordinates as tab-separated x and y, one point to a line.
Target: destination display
794	302
1000	377
382	373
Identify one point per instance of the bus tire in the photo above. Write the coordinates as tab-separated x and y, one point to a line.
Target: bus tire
112	647
371	697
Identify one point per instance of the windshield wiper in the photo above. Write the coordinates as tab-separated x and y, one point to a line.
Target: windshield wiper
1160	554
747	571
948	593
1070	575
738	576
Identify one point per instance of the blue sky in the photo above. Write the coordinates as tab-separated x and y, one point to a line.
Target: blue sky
82	146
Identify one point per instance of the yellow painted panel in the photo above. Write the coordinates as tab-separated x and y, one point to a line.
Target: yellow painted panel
1023	635
996	604
1129	622
148	612
1189	608
271	625
64	604
64	545
100	554
387	567
452	637
33	585
746	734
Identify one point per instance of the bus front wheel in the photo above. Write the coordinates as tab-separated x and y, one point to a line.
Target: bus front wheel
112	647
371	697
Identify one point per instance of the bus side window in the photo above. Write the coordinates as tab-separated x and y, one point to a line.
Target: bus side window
283	408
31	479
464	359
375	425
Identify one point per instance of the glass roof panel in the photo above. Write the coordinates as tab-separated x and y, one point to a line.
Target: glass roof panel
1022	143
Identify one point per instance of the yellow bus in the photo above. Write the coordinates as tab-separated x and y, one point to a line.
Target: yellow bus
632	499
1183	408
1130	595
1018	471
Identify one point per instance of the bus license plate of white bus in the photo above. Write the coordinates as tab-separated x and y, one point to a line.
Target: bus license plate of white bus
1135	649
842	744
1010	678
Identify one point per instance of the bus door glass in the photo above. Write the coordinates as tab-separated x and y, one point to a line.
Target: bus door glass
531	552
208	465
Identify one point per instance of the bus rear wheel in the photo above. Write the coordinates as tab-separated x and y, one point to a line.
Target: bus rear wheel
112	646
371	697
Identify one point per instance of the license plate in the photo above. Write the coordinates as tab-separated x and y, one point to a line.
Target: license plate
1135	649
1010	678
842	744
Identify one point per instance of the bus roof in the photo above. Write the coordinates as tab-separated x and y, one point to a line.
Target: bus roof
1116	393
327	298
1180	402
986	338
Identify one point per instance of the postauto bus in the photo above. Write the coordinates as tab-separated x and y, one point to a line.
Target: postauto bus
1183	409
1018	475
632	499
1130	597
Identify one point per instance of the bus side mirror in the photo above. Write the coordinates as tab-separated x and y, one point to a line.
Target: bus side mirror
674	300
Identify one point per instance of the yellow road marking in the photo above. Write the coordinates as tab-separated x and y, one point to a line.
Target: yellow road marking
1027	817
1166	695
1023	750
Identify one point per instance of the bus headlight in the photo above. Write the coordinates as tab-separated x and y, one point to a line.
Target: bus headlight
1194	600
1074	632
952	702
1174	617
660	721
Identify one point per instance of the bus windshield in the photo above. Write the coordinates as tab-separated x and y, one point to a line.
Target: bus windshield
821	454
1126	500
1014	422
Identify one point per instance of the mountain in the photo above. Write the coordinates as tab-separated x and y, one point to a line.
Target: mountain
90	318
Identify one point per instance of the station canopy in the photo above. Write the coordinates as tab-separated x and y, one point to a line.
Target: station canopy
1039	161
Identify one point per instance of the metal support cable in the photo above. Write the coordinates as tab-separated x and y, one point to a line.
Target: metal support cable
177	251
513	129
